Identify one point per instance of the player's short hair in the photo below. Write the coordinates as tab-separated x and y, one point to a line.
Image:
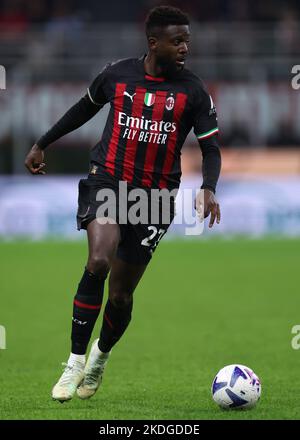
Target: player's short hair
163	16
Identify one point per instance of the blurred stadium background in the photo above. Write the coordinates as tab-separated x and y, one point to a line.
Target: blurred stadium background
245	52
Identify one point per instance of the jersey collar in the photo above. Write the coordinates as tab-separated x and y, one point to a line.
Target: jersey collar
145	74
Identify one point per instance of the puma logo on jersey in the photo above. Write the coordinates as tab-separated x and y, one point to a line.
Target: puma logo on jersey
129	96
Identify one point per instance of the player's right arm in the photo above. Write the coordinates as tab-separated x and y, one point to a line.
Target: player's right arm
74	118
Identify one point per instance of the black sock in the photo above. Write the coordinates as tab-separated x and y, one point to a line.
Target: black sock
86	309
115	322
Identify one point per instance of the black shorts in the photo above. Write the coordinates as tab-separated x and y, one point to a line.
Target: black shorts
138	241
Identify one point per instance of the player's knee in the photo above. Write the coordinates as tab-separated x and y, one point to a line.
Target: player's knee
121	300
99	265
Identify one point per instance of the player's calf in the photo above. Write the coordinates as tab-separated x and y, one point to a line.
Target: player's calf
86	309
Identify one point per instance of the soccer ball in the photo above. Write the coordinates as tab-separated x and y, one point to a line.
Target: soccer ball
236	386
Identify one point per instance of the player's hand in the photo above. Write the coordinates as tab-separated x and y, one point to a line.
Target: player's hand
211	206
34	160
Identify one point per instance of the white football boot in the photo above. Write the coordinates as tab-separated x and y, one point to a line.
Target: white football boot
71	378
93	372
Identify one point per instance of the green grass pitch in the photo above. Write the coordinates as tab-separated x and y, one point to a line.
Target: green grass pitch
201	305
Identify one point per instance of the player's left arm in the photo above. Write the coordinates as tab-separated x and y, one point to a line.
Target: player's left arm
211	167
206	130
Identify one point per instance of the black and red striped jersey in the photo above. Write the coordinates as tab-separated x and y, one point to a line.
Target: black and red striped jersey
148	122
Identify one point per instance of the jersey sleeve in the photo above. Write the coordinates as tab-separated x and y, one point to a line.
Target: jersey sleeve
204	116
96	91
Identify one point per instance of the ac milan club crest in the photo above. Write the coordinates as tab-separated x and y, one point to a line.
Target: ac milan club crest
170	103
149	99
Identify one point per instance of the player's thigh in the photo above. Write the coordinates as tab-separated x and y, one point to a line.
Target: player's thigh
124	276
103	239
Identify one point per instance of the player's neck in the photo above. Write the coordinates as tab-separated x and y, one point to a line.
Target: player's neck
151	67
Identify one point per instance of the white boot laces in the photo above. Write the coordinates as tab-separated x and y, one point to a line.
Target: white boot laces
68	373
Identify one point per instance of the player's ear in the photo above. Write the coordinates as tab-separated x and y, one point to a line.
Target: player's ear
152	43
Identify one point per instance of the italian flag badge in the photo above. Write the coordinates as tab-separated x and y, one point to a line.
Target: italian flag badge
149	99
